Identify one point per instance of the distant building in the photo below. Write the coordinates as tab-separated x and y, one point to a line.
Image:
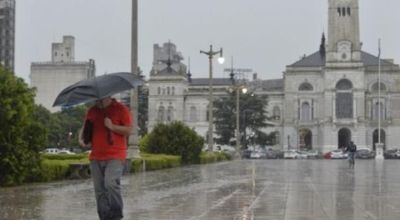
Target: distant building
324	100
51	77
7	33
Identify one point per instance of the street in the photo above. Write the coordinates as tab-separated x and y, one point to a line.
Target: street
243	189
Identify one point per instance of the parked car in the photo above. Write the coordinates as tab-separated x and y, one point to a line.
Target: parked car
290	154
64	151
246	154
365	153
51	151
271	154
255	155
338	154
301	155
392	153
313	154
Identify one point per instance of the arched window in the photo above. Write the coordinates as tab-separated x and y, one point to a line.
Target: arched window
379	110
193	114
276	113
375	87
306	87
344	99
161	113
305	111
344	11
170	113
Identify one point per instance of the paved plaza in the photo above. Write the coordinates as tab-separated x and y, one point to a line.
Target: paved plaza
243	190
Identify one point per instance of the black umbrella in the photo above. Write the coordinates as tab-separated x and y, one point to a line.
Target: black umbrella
96	88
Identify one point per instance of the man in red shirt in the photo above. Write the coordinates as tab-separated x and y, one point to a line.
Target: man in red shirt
112	124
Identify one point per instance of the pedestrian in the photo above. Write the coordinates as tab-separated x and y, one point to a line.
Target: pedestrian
111	124
351	151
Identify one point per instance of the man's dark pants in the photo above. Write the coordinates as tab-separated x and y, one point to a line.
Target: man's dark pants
106	175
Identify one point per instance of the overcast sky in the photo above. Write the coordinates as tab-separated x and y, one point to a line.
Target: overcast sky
264	35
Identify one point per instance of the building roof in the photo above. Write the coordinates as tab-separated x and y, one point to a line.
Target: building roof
272	85
216	81
316	60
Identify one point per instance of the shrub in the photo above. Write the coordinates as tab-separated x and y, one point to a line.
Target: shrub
211	157
175	139
155	162
65	156
21	137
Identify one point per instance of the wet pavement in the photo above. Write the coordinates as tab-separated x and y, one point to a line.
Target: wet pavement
245	190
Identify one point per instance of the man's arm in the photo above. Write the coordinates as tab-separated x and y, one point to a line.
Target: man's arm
81	141
120	129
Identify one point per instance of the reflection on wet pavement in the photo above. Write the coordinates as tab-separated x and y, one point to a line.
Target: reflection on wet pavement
242	190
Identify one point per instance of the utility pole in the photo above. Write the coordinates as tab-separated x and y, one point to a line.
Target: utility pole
133	150
210	55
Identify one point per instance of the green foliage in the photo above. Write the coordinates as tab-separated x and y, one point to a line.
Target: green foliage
253	117
21	137
176	139
143	99
212	157
64	127
143	142
65	156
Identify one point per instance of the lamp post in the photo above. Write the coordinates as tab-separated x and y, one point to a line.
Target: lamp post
221	60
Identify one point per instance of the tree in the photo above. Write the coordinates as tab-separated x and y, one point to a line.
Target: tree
143	98
64	126
253	117
175	139
21	136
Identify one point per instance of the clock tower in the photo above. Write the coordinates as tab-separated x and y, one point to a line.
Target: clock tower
344	44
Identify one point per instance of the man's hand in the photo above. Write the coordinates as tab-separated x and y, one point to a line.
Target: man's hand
108	123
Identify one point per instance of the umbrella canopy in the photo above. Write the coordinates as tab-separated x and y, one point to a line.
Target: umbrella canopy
96	88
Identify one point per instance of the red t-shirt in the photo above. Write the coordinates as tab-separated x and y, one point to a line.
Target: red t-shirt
102	148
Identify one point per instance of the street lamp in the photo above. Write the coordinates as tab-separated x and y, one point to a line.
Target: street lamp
221	60
238	88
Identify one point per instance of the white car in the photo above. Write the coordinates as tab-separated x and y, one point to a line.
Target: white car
51	151
255	155
290	154
338	154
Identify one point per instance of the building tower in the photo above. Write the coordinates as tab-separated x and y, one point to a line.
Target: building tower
7	33
343	32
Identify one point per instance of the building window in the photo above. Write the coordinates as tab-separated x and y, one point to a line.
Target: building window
378	110
55	53
349	11
173	90
193	114
344	99
344	11
375	87
161	113
306	87
276	113
167	90
305	112
170	112
159	90
339	12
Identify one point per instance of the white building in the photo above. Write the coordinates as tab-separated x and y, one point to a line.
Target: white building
50	78
323	101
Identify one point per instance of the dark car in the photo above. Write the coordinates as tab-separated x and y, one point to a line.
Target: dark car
246	154
365	153
271	154
392	154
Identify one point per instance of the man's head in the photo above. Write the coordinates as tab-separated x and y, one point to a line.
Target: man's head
104	102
